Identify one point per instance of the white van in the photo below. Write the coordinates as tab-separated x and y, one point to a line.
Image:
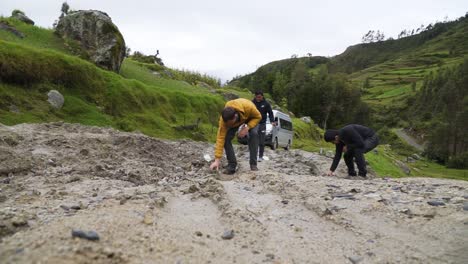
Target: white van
282	134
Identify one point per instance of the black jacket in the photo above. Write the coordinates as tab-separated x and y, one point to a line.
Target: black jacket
353	137
264	108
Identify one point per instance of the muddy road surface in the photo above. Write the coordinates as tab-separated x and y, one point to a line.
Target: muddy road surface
77	194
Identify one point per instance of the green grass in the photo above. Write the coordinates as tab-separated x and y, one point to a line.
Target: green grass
395	92
308	136
383	165
38	37
97	97
139	71
434	170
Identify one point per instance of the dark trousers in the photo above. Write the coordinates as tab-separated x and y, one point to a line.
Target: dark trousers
358	154
253	146
261	139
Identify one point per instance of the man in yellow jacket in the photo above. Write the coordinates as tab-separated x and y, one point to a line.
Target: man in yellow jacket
236	113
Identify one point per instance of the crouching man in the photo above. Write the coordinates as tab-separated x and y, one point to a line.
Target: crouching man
236	113
354	141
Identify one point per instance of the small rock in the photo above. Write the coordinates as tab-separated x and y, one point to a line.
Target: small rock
285	201
74	178
56	99
228	234
343	195
83	205
148	219
436	203
84	152
326	212
465	206
75	206
270	256
407	211
19	221
306	119
6	180
192	189
355	259
90	235
198	233
14	109
457	200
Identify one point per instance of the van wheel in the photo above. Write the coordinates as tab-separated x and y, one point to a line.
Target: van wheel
274	146
288	146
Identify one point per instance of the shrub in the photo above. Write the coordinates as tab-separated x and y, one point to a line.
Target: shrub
459	161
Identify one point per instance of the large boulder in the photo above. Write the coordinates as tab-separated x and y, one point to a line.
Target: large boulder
97	34
21	17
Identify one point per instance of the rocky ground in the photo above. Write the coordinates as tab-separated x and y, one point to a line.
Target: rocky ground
133	199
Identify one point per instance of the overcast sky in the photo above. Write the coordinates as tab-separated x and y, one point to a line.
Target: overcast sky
227	38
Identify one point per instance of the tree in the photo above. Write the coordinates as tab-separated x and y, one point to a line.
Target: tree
368	37
366	84
279	86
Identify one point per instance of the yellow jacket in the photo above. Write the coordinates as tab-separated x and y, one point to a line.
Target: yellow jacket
248	114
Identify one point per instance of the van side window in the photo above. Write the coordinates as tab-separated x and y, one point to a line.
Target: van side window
285	124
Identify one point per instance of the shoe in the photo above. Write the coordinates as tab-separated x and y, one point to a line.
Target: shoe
260	159
229	171
253	168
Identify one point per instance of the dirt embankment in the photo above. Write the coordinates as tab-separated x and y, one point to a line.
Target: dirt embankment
155	201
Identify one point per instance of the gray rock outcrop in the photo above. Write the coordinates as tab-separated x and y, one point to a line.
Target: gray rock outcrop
22	17
230	96
55	99
98	36
5	26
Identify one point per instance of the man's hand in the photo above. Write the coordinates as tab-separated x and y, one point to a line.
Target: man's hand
330	173
244	131
345	149
273	124
215	165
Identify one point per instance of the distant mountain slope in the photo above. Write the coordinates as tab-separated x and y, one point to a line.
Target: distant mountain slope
387	72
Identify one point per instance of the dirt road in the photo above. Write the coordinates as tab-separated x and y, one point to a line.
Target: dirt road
155	201
409	139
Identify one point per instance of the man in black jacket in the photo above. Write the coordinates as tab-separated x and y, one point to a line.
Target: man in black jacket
264	108
354	140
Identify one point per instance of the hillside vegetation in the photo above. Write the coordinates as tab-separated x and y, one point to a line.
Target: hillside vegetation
135	100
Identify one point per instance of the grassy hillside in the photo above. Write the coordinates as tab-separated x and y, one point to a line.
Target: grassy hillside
387	71
41	61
